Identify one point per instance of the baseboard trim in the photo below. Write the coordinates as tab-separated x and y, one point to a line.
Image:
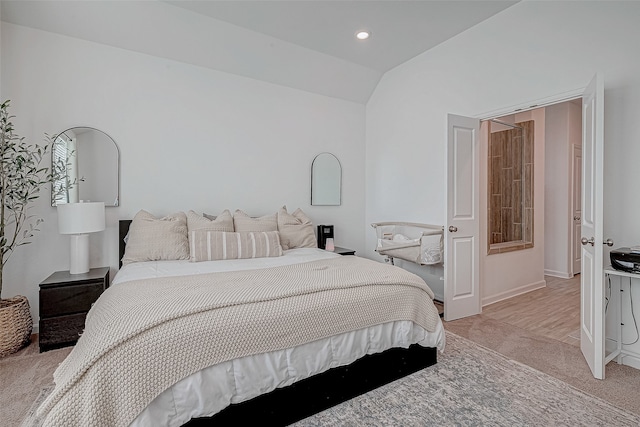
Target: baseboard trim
630	359
513	292
560	274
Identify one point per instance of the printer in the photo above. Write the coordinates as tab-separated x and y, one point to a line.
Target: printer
626	259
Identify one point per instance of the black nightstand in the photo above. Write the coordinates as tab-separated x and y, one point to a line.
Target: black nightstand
65	300
344	251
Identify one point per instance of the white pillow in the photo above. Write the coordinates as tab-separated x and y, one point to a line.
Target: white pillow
216	245
244	223
223	222
154	239
296	230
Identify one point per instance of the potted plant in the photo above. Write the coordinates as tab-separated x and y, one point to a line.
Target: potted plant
21	179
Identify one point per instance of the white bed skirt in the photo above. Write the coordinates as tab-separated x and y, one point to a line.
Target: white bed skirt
210	390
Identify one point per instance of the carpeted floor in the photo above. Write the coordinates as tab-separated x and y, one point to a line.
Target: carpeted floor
470	385
22	376
560	360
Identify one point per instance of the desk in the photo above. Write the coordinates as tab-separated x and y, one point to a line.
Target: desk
618	353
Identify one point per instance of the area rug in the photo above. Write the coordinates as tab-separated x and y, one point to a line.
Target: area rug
469	386
474	386
31	420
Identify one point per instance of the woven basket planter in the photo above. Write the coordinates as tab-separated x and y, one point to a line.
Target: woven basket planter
16	324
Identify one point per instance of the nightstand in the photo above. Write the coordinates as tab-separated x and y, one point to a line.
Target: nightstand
65	300
343	251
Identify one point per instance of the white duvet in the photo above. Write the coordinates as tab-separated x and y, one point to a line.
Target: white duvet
209	391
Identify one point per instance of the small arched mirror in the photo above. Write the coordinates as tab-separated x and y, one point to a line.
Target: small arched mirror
326	180
90	158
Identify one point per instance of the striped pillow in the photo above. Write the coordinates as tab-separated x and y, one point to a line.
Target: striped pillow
218	245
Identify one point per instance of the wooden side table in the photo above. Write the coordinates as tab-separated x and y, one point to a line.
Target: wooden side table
65	300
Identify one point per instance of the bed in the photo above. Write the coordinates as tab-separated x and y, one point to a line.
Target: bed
280	386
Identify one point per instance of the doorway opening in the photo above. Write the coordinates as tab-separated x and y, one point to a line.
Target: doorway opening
548	269
493	278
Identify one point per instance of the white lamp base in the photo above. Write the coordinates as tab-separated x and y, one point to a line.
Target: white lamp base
79	255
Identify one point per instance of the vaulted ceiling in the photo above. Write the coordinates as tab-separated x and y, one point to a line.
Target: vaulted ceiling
307	45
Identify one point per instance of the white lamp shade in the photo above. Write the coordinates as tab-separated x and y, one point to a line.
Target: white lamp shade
80	218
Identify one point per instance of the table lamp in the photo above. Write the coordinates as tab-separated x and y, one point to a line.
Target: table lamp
78	220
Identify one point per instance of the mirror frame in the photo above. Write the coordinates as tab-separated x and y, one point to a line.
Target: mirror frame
117	176
314	173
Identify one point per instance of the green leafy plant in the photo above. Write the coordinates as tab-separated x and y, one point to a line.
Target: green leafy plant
22	177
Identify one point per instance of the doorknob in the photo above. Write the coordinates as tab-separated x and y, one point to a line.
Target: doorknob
584	241
453	229
608	242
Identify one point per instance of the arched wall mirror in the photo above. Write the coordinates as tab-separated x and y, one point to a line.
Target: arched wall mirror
326	180
92	162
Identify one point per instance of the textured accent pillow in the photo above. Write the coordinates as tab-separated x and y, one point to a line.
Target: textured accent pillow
244	223
154	239
296	230
217	245
223	222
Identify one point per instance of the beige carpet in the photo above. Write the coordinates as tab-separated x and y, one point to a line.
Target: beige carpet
474	386
558	359
22	376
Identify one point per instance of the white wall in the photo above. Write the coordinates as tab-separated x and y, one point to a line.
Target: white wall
575	141
557	192
1	93
505	275
550	48
563	130
189	138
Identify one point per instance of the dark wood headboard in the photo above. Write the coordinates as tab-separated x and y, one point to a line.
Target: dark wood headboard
123	228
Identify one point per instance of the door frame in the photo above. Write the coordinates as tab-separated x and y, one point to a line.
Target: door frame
575	233
462	230
542	102
592	301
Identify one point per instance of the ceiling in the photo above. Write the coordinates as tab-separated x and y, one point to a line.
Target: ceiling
304	44
399	30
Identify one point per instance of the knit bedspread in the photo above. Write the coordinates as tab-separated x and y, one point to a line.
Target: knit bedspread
143	336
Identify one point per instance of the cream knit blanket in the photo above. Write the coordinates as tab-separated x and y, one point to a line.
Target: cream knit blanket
143	336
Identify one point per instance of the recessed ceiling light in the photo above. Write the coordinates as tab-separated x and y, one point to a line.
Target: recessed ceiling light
362	35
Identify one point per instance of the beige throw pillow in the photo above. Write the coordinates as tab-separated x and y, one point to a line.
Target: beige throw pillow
244	223
154	239
296	230
223	222
216	245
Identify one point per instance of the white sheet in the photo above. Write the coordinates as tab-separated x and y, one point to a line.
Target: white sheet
208	391
144	270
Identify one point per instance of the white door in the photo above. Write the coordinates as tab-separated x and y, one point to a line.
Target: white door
462	248
591	279
576	208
